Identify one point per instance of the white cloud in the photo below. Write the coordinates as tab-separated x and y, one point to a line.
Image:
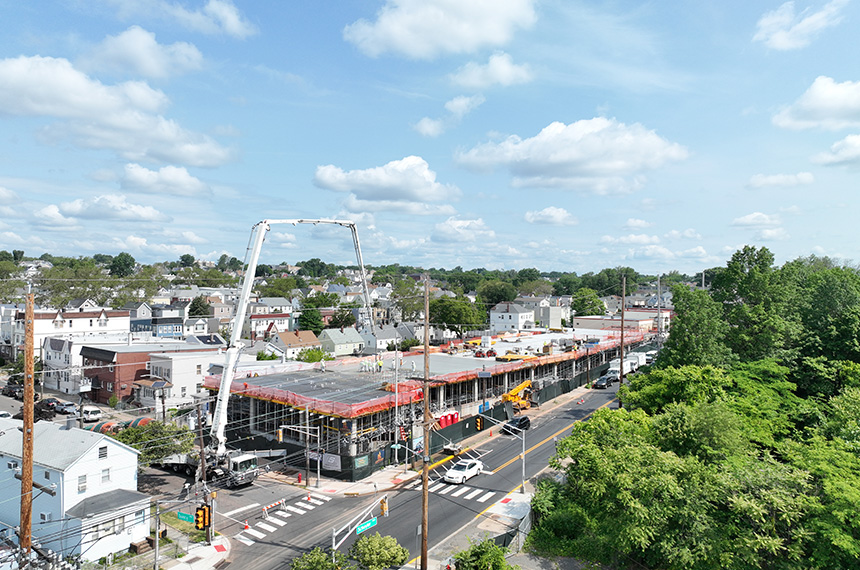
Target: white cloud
846	151
354	204
601	155
7	196
401	185
135	52
217	17
772	234
123	118
167	180
111	207
141	246
782	29
50	217
689	233
757	220
499	70
763	180
653	252
430	127
631	239
424	29
455	230
697	252
462	105
826	105
637	224
552	216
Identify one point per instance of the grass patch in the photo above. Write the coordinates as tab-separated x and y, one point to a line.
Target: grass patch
187	528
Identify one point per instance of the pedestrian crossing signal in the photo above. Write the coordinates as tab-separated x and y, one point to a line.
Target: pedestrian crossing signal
479	423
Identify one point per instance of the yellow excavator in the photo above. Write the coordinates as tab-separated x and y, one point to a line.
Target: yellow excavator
519	395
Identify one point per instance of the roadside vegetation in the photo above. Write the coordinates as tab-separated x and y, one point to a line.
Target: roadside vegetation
738	449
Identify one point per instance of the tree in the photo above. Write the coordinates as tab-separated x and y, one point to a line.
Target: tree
199	307
483	555
313	355
18	255
458	315
342	318
319	559
311	320
316	268
698	331
157	440
493	292
566	284
186	260
528	274
279	287
321	300
408	298
122	265
538	288
586	302
377	552
6	256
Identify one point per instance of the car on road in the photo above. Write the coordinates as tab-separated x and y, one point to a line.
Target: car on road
52	402
463	470
516	425
66	408
91	413
602	382
12	390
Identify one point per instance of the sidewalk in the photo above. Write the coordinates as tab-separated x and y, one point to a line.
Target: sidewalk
200	556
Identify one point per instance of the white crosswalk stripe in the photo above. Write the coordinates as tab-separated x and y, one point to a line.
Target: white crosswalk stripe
254	533
473	494
267	528
244	540
317	503
320	497
281	513
446	490
305	505
460	491
295	510
487	496
277	521
436	487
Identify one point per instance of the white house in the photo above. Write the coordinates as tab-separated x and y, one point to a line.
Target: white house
289	344
90	325
511	316
85	499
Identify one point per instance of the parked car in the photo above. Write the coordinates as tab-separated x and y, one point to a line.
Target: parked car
52	402
463	470
91	413
12	390
66	408
602	382
516	425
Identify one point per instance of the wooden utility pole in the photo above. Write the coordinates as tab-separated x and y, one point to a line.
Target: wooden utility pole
425	470
25	534
621	356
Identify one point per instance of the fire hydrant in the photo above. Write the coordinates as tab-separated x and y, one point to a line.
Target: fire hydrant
300	477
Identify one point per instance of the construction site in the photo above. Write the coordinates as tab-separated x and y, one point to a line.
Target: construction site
358	414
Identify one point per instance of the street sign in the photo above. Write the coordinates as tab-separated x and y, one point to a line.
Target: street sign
187	517
365	525
396	446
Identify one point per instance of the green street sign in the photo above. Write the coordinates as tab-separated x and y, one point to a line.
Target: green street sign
187	517
365	525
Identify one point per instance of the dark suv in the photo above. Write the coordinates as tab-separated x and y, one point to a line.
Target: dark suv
516	425
13	390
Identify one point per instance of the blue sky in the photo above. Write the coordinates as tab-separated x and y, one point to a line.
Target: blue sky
559	134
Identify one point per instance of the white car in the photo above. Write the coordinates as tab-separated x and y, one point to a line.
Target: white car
463	470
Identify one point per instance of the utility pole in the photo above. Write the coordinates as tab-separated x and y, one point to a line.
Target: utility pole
25	535
621	355
202	473
425	471
659	314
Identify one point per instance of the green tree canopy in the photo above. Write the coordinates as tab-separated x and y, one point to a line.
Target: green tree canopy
586	302
342	318
493	292
186	260
122	265
698	331
313	355
319	559
199	307
321	300
157	440
311	320
458	315
377	552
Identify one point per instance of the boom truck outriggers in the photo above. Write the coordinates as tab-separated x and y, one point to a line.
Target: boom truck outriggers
230	467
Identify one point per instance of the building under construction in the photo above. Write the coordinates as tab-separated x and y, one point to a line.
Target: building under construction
349	413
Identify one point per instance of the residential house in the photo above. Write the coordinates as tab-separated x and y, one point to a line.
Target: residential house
289	344
613	323
85	501
168	320
140	315
195	326
341	342
175	378
91	325
511	316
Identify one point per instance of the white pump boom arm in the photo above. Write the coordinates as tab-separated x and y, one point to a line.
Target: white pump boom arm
218	441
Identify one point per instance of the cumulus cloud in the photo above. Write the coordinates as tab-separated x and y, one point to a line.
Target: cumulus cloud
763	180
124	118
772	234
141	246
636	224
400	185
457	108
454	230
630	239
757	220
424	29
601	155
826	105
167	180
551	216
697	252
136	52
783	29
217	17
845	151
50	217
689	233
114	207
7	196
499	70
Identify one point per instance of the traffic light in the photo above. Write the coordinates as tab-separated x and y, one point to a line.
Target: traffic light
479	423
383	506
280	435
200	518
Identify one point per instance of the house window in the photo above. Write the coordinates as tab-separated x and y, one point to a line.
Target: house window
199	369
182	392
47	475
109	386
12	465
110	367
91	322
147	365
106	475
140	517
103	452
82	483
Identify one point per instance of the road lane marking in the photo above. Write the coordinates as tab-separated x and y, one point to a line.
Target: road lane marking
266	527
460	491
436	487
473	494
487	496
243	540
446	490
254	533
295	510
280	513
277	521
317	503
305	505
239	510
320	497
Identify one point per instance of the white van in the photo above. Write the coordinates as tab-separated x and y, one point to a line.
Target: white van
91	413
